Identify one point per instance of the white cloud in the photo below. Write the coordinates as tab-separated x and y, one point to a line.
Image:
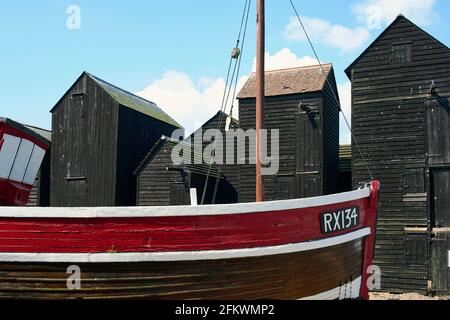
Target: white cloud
345	96
335	36
375	13
192	103
283	59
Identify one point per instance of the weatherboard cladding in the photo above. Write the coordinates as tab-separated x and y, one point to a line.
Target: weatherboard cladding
345	158
157	175
389	123
309	141
97	144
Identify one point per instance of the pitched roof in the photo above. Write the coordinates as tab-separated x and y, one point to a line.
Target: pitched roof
400	18
47	134
234	122
198	165
129	100
134	102
40	134
289	81
196	168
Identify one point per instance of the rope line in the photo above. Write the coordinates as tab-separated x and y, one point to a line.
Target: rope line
332	89
227	92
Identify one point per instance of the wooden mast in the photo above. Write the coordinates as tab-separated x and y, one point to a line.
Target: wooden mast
260	73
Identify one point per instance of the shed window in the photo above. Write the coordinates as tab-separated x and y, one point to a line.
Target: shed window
415	248
414	180
284	188
401	53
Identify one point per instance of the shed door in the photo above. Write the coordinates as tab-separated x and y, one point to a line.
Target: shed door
76	183
179	189
440	209
77	134
308	146
438	130
441	198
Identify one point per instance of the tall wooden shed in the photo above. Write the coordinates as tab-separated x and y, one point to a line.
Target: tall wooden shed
400	117
303	103
100	133
161	183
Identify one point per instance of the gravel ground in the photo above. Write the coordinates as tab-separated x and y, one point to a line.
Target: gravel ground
407	296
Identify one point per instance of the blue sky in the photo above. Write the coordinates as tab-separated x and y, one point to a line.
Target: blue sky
176	52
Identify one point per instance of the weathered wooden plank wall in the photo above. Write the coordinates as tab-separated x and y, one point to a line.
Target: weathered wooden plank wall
161	183
138	133
308	146
98	142
84	147
390	83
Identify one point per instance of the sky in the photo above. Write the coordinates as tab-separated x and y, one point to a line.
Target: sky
176	53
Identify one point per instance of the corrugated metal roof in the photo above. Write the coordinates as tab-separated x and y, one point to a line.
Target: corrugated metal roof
288	81
135	102
345	158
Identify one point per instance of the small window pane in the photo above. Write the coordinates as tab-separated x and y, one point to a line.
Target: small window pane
21	161
401	53
34	165
7	154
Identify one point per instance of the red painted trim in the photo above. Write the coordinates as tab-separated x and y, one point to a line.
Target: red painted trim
14	193
369	245
21	134
169	234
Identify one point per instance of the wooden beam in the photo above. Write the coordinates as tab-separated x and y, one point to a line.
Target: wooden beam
260	74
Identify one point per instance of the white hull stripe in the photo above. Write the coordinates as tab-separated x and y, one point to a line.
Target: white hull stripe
181	256
350	290
227	209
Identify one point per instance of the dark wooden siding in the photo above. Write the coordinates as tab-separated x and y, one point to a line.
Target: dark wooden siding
84	143
154	179
159	179
137	134
306	169
388	120
330	111
228	189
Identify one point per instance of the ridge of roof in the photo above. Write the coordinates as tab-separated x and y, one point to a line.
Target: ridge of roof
126	99
133	101
31	130
288	81
399	18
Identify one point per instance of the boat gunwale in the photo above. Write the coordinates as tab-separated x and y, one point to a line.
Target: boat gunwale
181	211
126	257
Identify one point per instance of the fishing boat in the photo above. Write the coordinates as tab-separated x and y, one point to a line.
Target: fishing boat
313	248
21	153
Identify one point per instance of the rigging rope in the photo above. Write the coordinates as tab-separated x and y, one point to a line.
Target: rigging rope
237	57
331	88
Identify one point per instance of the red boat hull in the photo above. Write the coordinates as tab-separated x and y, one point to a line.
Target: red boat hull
278	250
